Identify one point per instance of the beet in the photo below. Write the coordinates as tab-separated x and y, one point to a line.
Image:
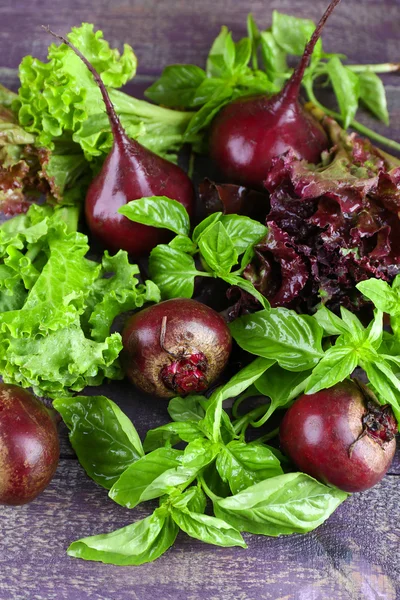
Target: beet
129	172
250	132
29	447
179	346
340	436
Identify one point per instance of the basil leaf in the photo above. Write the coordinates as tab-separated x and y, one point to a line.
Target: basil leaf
183	243
293	33
207	529
158	211
203	117
130	489
281	386
346	86
248	287
354	325
381	294
213	68
242	54
242	465
375	330
239	382
385	384
177	86
290	503
173	272
293	340
205	224
254	36
136	544
338	363
171	434
273	57
186	409
330	323
217	248
373	95
104	439
193	499
243	231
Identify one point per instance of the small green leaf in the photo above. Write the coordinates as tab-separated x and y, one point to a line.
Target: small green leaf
203	117
177	86
104	439
330	323
173	271
373	95
346	86
248	287
243	231
189	408
281	386
381	294
274	58
291	503
384	383
338	363
293	340
242	54
205	224
184	244
158	211
193	499
207	529
243	465
293	33
171	434
217	248
254	36
136	544
135	481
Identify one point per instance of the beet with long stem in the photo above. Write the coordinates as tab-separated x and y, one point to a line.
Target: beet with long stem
129	172
250	132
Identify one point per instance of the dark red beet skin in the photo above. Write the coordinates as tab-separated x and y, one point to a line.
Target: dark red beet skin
29	447
340	436
179	346
129	172
250	132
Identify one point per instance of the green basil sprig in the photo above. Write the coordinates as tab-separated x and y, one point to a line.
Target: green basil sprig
218	241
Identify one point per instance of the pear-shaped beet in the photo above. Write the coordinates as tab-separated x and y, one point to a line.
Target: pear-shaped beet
129	172
29	448
250	132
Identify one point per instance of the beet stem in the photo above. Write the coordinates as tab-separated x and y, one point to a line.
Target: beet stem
291	89
115	123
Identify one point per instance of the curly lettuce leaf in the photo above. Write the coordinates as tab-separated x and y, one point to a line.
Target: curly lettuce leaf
61	97
57	306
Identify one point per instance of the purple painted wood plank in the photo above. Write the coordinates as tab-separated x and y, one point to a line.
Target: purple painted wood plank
353	556
180	31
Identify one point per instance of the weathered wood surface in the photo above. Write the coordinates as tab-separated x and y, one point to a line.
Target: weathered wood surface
355	555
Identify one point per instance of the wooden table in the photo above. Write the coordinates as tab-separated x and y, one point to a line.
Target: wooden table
355	555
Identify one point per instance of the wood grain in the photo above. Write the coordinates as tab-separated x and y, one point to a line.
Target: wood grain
353	556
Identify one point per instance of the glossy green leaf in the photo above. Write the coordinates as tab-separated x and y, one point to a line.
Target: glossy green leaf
205	224
173	271
293	340
158	211
217	248
136	544
281	386
243	465
130	489
243	231
384	383
193	498
177	86
338	363
247	286
373	95
171	434
104	439
346	86
189	408
290	503
207	529
293	33
184	244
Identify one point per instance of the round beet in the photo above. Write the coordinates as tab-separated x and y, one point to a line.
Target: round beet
179	346
29	448
340	436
